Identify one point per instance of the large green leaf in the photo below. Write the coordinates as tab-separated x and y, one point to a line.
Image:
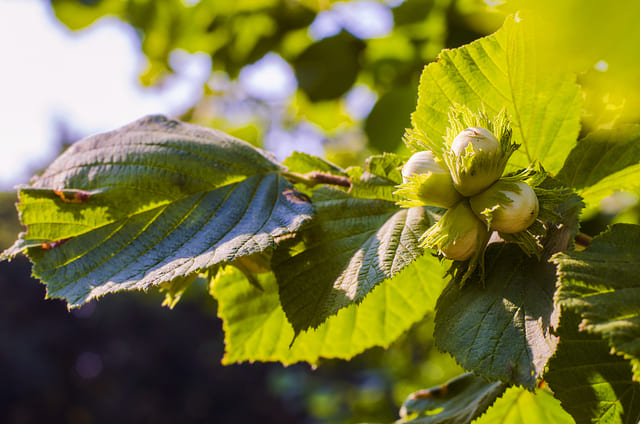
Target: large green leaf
520	406
351	245
503	70
357	239
594	385
602	283
151	202
458	401
500	326
256	328
502	330
603	162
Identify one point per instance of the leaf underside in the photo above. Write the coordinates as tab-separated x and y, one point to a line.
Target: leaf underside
458	401
151	202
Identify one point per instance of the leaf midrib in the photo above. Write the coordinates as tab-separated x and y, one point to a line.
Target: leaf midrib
156	205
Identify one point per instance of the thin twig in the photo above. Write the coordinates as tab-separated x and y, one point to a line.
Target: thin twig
583	240
314	178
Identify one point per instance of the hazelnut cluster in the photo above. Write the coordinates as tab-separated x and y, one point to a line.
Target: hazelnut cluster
468	180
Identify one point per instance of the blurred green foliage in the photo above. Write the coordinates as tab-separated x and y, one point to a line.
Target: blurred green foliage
598	41
239	33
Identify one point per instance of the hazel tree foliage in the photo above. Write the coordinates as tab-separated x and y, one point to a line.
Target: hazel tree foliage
478	224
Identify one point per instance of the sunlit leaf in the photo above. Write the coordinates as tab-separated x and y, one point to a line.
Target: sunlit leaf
603	162
498	71
256	328
305	163
379	179
148	203
521	406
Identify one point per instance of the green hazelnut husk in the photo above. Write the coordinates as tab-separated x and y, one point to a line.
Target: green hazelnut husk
475	140
507	206
426	181
458	234
478	149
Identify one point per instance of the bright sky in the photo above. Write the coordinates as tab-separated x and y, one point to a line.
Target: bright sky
85	81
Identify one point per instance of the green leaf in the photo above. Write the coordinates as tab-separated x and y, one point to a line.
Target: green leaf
151	202
502	70
603	162
458	401
627	179
500	326
351	245
380	178
389	117
520	406
304	163
174	289
501	331
593	385
327	69
602	283
256	328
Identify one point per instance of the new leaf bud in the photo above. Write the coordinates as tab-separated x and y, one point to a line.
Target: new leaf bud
427	182
508	207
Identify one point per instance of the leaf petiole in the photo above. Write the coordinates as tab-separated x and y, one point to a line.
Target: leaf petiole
312	179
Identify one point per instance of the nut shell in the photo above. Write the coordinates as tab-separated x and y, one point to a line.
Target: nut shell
508	207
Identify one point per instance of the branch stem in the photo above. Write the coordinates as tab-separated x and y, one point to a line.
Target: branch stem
583	240
312	179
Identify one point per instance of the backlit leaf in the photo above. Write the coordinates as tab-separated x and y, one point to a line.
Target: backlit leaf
603	162
521	406
256	328
503	70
